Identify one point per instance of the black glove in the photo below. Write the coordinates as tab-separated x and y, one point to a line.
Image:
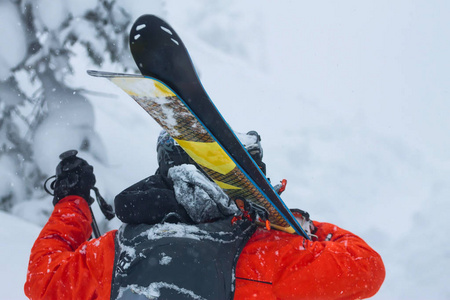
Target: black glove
202	199
74	176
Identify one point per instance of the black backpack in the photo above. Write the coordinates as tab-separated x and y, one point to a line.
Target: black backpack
178	261
162	254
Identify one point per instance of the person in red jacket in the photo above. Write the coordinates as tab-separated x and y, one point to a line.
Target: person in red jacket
168	250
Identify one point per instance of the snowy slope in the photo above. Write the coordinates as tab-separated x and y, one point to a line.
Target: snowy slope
17	237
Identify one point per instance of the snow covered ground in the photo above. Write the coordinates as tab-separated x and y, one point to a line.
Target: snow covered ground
17	238
351	101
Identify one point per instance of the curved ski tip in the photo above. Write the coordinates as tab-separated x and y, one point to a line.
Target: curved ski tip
94	73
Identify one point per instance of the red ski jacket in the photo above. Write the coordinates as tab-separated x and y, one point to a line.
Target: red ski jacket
272	265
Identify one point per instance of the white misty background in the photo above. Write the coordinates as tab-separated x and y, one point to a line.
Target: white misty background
350	98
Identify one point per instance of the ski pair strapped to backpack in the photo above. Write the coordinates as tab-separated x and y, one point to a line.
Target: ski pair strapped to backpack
170	91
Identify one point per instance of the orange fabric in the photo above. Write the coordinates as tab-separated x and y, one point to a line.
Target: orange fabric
63	265
290	267
273	264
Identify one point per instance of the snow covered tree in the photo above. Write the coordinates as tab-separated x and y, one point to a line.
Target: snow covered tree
43	111
40	41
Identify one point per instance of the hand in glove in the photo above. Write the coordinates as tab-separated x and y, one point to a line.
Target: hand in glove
202	199
74	176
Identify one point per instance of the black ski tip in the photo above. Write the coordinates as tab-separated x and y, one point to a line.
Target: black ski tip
146	24
154	45
151	31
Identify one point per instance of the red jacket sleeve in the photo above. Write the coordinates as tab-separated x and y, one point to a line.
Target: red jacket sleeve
344	267
63	264
278	265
